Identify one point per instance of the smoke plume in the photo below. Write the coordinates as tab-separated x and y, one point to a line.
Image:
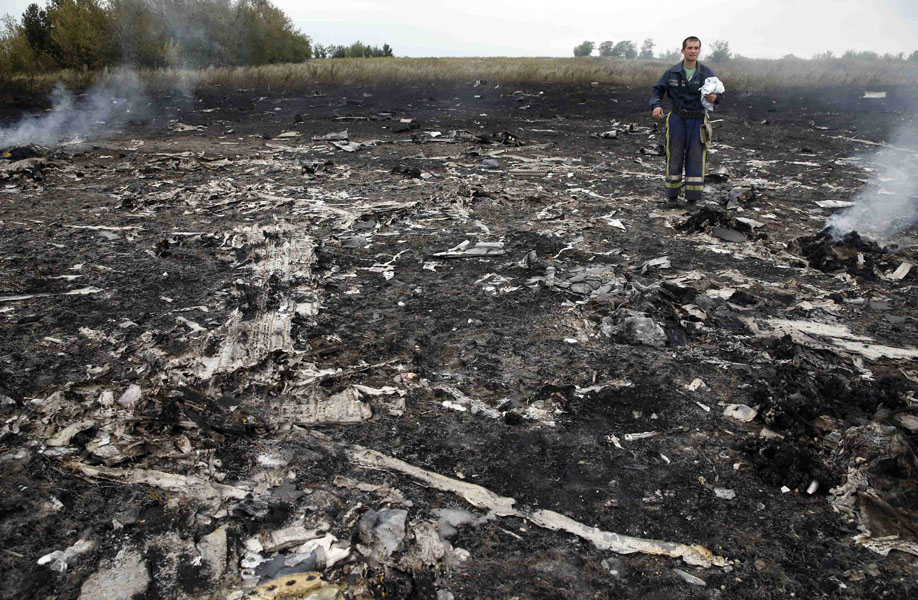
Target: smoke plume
888	205
110	104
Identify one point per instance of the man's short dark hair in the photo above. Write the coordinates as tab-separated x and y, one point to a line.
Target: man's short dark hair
690	38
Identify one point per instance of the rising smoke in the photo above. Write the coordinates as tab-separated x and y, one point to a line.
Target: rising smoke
119	98
888	205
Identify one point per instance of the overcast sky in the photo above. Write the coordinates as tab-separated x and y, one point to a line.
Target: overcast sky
757	28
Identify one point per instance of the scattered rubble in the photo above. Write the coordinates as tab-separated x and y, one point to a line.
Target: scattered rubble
456	350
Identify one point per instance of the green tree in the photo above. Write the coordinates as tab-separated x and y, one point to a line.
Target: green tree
720	51
82	30
647	49
266	35
827	55
913	57
584	49
16	55
36	26
606	48
625	49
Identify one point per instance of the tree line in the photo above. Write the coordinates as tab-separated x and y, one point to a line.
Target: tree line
719	52
94	34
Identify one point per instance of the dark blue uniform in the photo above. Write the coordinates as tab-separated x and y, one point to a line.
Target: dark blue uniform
684	150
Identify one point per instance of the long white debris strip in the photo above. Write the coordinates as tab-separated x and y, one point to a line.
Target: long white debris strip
502	506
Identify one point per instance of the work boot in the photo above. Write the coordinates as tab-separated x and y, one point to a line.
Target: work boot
671	203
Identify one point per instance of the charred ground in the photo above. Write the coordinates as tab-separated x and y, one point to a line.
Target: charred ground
520	368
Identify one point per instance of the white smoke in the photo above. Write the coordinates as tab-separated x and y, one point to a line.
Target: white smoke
117	99
888	204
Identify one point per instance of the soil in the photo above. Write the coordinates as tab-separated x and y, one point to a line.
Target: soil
155	226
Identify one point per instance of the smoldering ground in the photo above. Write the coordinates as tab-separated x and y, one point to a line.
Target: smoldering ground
888	204
75	118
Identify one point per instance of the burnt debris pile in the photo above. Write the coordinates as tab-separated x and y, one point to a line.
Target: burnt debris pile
851	253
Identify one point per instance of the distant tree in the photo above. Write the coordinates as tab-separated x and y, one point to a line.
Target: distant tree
720	51
319	51
606	48
791	57
827	55
36	26
584	49
670	55
266	35
647	49
337	51
16	55
387	51
913	57
862	55
139	34
891	56
625	49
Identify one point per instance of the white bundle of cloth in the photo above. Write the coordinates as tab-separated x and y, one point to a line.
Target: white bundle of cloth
712	85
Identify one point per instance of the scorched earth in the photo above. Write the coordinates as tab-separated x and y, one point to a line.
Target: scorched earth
445	342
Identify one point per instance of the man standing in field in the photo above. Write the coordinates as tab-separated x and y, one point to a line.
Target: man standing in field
684	148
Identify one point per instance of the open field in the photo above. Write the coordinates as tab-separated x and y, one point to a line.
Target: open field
458	350
739	75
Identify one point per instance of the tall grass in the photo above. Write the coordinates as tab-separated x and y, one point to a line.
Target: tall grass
738	74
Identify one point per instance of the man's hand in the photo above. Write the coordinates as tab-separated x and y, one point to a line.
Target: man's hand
658	113
711	97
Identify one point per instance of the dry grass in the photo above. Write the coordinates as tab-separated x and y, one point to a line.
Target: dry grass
738	75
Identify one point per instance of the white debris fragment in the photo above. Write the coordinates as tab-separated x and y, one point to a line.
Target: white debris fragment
900	273
697	384
834	204
282	539
130	396
86	291
467	250
633	437
740	412
724	494
59	560
506	507
689	578
63	437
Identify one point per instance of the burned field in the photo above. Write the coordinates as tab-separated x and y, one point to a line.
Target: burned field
446	343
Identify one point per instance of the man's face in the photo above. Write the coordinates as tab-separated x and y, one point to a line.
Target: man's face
691	50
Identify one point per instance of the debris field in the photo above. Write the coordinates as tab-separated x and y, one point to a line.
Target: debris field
446	342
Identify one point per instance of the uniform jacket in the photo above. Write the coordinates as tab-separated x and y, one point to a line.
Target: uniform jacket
684	94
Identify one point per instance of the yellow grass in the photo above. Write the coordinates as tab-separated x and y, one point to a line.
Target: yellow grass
738	75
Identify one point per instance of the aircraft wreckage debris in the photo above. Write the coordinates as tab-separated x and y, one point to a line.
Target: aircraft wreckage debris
457	350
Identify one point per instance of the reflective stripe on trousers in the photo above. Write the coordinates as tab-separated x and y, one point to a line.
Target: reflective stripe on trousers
684	152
